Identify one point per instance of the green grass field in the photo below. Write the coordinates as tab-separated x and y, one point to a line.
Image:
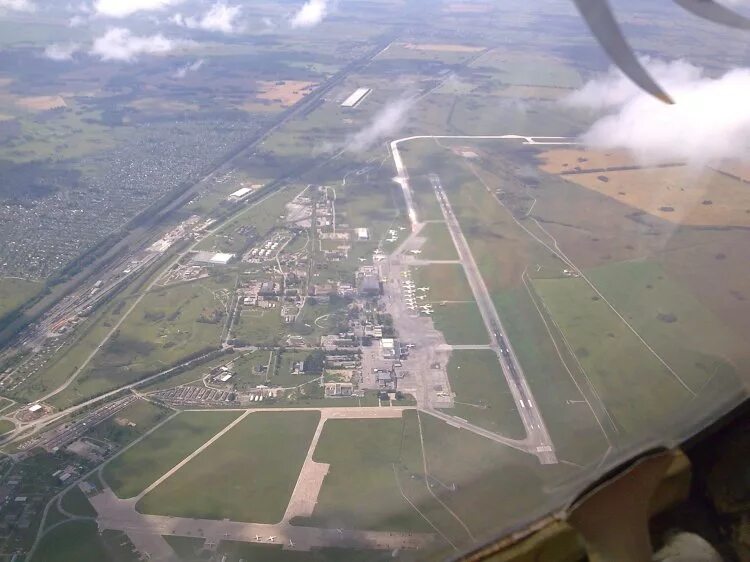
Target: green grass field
14	292
439	245
246	475
482	394
76	502
461	323
81	541
260	327
130	423
692	340
447	282
135	469
167	326
370	500
637	390
6	426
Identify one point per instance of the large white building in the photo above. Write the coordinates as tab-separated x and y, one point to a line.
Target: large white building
240	194
356	98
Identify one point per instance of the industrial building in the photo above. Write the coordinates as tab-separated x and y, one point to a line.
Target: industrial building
240	194
339	389
212	258
390	348
356	97
362	234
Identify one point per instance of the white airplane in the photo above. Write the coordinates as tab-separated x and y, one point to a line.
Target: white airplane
272	538
412	307
291	543
423	289
258	538
427	312
422	297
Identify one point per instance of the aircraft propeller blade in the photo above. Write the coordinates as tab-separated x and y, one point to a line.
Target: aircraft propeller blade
599	17
715	12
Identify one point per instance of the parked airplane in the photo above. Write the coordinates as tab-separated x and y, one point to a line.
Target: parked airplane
272	538
258	538
423	289
422	297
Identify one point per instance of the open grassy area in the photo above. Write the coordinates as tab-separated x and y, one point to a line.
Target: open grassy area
461	323
187	549
259	327
167	326
488	485
258	461
261	216
639	392
81	541
76	502
439	245
368	449
482	394
6	426
14	292
133	471
693	341
447	282
130	423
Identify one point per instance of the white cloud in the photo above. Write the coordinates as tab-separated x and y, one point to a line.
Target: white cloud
192	67
384	124
124	8
220	17
120	44
18	5
61	51
709	121
76	21
310	14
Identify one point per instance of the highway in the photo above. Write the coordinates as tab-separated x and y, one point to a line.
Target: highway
537	437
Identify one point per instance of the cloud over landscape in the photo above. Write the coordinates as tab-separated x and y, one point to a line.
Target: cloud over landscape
710	120
220	17
61	51
386	122
121	45
18	5
125	8
310	14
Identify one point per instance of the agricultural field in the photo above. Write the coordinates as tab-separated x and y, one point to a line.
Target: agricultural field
134	470
481	393
259	459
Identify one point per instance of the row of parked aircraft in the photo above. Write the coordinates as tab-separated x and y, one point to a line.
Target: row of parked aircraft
409	290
